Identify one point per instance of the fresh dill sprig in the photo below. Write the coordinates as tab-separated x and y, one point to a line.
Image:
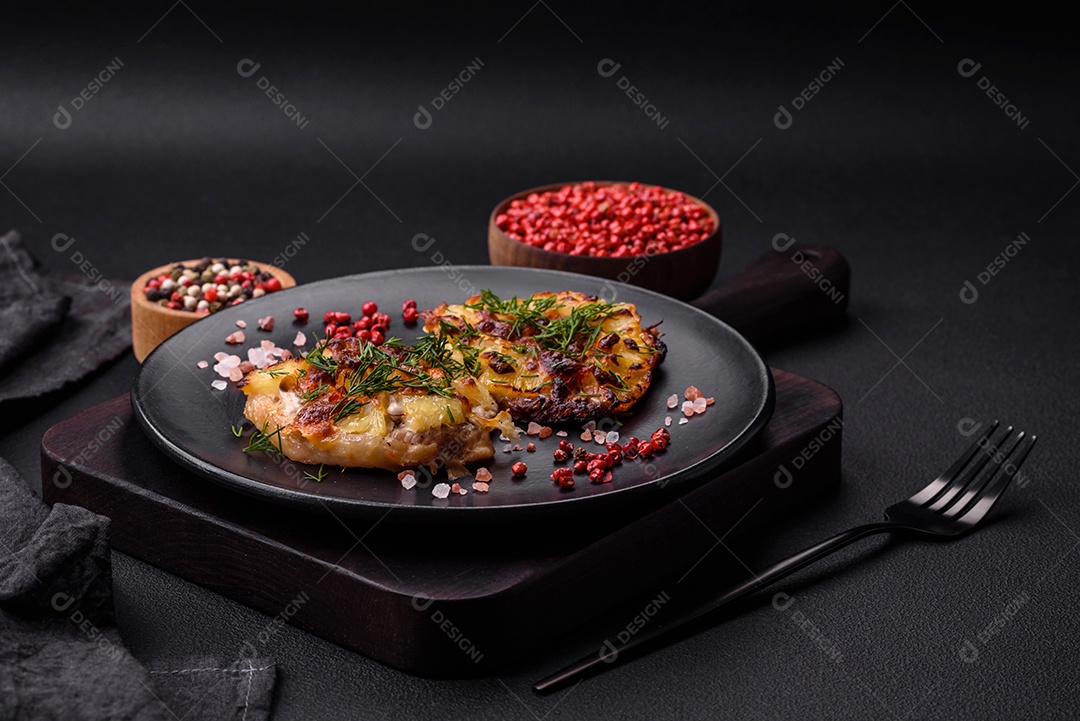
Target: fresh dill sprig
379	371
436	350
502	357
582	321
612	379
262	442
519	313
319	475
470	359
348	407
317	358
563	333
314	393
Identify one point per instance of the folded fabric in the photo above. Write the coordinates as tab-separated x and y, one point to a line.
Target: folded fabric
60	651
54	329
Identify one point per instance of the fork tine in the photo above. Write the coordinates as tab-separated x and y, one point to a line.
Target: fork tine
941	482
997	487
956	487
997	455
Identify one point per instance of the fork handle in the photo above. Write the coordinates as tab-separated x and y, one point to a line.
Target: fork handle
609	655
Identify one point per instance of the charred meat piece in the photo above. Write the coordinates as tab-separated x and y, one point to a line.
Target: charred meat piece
553	357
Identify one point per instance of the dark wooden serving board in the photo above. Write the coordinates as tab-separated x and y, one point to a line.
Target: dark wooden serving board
443	602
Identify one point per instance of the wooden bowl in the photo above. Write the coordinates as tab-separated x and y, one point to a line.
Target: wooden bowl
152	323
685	273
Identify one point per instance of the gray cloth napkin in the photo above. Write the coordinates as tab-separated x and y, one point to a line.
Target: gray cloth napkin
55	328
61	656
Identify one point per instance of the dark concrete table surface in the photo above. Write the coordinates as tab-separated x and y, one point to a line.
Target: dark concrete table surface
389	122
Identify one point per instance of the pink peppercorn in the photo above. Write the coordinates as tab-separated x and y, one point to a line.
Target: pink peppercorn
615	220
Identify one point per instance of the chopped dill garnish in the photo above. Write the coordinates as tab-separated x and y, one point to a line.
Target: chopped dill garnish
318	476
502	358
317	358
611	379
573	333
314	393
583	321
520	313
347	408
262	442
429	366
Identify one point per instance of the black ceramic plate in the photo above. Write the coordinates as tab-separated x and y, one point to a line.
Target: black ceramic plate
190	421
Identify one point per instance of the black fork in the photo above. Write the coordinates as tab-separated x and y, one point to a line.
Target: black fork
951	505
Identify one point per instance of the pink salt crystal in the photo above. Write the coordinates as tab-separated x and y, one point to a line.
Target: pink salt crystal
441	490
408	482
235	338
590	426
683	421
246	367
203	364
700	404
219	385
267	345
266	323
506	448
586	435
688	408
709	401
480	487
673	400
226	364
300	338
455	488
241	324
667	420
256	356
533	429
235	374
483	475
561	434
612	436
517	446
462	491
545	431
600	437
220	356
285	354
692	393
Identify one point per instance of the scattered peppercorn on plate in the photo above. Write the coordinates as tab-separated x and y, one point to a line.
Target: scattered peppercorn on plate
494	392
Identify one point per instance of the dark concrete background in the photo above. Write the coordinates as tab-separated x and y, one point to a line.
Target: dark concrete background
900	162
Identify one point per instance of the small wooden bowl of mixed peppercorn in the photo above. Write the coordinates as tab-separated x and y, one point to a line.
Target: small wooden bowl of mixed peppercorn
167	299
644	235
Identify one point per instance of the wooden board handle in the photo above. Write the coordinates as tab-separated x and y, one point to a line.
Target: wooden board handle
790	292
